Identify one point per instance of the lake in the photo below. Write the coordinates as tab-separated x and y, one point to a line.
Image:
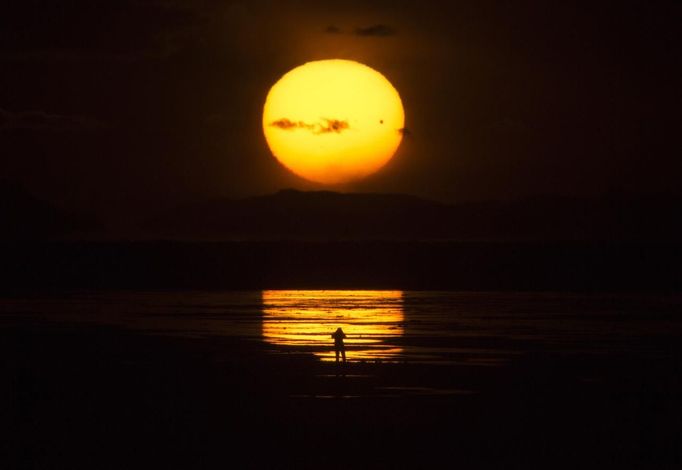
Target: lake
476	328
198	379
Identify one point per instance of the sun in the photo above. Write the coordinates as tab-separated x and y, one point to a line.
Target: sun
333	121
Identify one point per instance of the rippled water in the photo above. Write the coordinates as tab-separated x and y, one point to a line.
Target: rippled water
453	327
373	321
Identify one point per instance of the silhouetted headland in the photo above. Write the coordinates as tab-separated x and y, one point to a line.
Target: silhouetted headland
326	215
304	240
25	217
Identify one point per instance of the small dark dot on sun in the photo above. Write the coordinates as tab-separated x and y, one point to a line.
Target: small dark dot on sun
382	121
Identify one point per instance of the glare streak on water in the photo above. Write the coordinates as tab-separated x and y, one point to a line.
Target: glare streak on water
481	329
371	320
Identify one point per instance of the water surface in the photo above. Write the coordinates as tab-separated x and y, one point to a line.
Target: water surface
483	329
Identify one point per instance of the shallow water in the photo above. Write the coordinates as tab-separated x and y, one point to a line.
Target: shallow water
482	329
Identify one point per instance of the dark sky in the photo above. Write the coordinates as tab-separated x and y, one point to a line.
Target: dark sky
128	107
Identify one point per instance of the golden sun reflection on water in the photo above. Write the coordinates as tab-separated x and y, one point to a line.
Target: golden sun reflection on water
372	320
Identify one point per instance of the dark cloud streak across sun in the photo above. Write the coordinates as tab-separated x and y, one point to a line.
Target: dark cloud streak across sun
329	126
164	97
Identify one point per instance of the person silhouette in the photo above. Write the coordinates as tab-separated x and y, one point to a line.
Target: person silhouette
338	336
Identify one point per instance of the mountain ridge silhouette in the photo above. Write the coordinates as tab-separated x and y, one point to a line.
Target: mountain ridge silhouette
329	215
25	217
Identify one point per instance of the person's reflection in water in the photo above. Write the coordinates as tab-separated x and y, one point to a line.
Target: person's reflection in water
338	336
